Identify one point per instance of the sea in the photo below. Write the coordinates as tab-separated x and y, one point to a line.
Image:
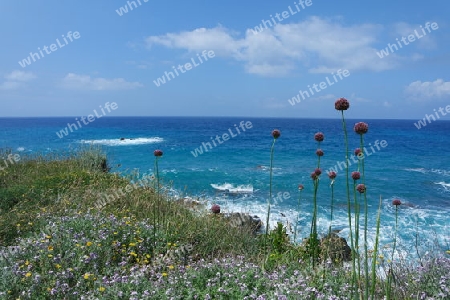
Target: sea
226	161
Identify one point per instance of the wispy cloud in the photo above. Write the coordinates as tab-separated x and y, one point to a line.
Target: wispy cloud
315	45
427	90
16	80
85	82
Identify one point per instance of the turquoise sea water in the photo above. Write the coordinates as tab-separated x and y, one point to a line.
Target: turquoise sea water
413	165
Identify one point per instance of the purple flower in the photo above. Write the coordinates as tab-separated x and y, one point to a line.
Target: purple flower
341	104
276	133
319	152
215	209
313	175
357	151
319	136
396	202
332	175
361	188
361	128
318	171
158	153
356	175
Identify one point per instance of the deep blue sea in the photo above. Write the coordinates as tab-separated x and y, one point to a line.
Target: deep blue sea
413	166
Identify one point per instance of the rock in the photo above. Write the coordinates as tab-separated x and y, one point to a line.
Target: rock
122	139
336	248
245	221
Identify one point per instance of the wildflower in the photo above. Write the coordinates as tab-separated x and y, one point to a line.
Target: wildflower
86	276
48	237
332	175
28	274
319	136
50	248
300	187
361	188
313	175
396	202
27	262
318	171
164	274
319	152
341	104
448	251
132	244
356	175
361	128
49	256
358	152
89	244
58	266
157	153
101	289
215	209
171	267
276	133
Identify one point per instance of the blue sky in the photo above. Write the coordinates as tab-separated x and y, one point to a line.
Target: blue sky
120	57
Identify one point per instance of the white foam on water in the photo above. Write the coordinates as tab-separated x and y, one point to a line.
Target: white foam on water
445	185
21	149
231	189
125	142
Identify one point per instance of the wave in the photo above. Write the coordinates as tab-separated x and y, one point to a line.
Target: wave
420	170
425	171
231	189
446	186
21	149
124	142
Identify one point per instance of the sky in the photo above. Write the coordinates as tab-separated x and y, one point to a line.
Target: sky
281	58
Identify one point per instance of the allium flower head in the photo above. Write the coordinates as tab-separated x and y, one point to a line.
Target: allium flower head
361	128
276	133
341	104
318	171
319	136
158	153
215	209
357	151
300	187
314	176
332	175
356	175
396	202
319	152
361	188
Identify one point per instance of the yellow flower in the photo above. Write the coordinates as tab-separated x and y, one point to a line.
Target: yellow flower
89	244
116	233
133	254
147	255
171	267
50	248
174	245
48	236
18	225
30	223
49	256
27	262
164	274
187	267
169	244
28	274
101	289
58	266
86	276
448	251
132	244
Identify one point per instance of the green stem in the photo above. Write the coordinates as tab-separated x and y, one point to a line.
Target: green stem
366	216
375	253
270	195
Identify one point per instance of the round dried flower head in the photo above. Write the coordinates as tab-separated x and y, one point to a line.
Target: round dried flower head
319	136
300	187
361	128
332	175
314	176
319	152
276	133
341	104
356	175
358	151
361	188
318	171
396	202
215	209
158	153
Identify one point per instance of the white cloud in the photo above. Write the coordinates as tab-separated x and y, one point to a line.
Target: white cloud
427	90
317	45
85	82
16	79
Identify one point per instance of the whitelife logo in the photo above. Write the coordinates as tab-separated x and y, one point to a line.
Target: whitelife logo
411	38
90	118
53	47
124	9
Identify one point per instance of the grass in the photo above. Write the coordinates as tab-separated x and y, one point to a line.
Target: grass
68	248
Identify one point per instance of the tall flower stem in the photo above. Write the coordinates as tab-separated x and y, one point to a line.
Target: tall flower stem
300	189
366	215
313	236
375	253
